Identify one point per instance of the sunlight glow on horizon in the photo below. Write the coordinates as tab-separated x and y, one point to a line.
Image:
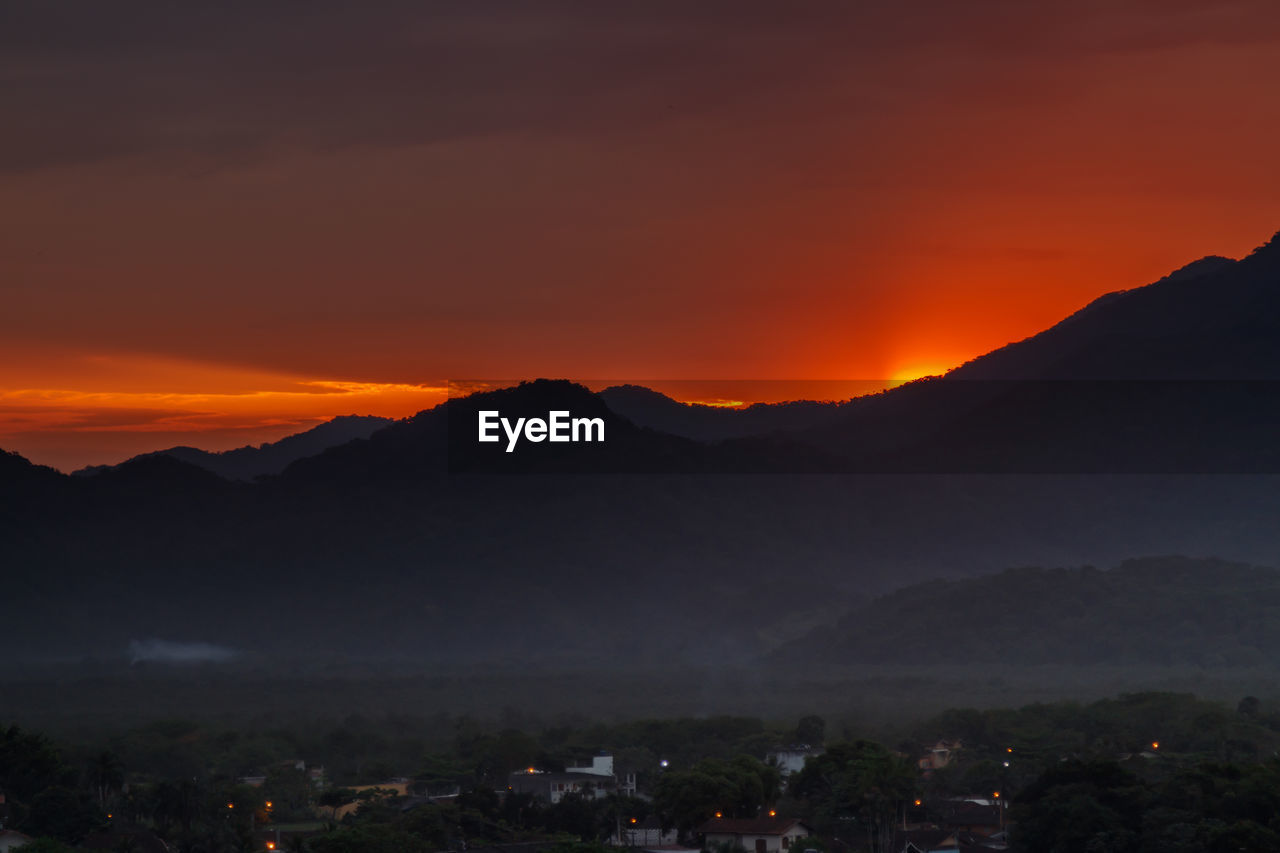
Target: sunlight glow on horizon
103	409
913	372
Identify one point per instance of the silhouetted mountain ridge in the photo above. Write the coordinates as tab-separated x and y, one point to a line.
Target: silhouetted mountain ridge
253	461
444	440
1212	319
1160	610
657	411
418	541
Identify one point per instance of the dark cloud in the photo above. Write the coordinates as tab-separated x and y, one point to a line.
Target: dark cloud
88	80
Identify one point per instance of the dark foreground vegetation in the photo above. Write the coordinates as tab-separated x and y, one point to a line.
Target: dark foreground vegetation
1142	772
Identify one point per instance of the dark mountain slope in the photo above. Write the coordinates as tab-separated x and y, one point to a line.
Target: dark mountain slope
651	547
1181	376
648	408
444	440
1164	611
250	462
1212	319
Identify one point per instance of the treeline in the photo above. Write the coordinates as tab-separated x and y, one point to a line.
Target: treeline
1104	768
1205	808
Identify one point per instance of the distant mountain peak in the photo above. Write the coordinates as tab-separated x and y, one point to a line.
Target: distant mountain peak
272	457
1214	318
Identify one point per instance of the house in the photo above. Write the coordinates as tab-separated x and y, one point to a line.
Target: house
602	765
976	816
791	759
925	841
939	756
552	786
314	774
755	834
945	841
594	781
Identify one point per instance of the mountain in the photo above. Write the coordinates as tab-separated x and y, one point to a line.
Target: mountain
14	469
251	462
1181	376
1162	610
1214	319
654	547
647	408
443	440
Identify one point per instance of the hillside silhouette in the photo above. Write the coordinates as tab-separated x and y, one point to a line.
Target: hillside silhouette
1166	611
1213	319
649	408
416	542
253	461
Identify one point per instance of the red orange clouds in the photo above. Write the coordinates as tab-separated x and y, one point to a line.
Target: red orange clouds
393	193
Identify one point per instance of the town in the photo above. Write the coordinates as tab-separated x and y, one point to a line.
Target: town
1141	772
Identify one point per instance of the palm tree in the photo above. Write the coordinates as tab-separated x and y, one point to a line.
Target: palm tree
106	773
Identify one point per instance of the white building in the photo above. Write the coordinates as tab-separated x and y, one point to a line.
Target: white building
602	765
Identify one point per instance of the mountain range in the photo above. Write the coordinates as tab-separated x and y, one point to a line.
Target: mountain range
1157	610
251	462
1142	424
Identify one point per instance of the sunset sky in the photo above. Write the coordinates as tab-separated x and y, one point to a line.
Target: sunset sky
222	223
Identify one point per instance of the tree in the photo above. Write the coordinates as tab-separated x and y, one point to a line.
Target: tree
28	764
1081	806
860	780
106	774
811	729
63	814
335	798
740	787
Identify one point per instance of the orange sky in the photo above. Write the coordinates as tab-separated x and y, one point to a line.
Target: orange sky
217	228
